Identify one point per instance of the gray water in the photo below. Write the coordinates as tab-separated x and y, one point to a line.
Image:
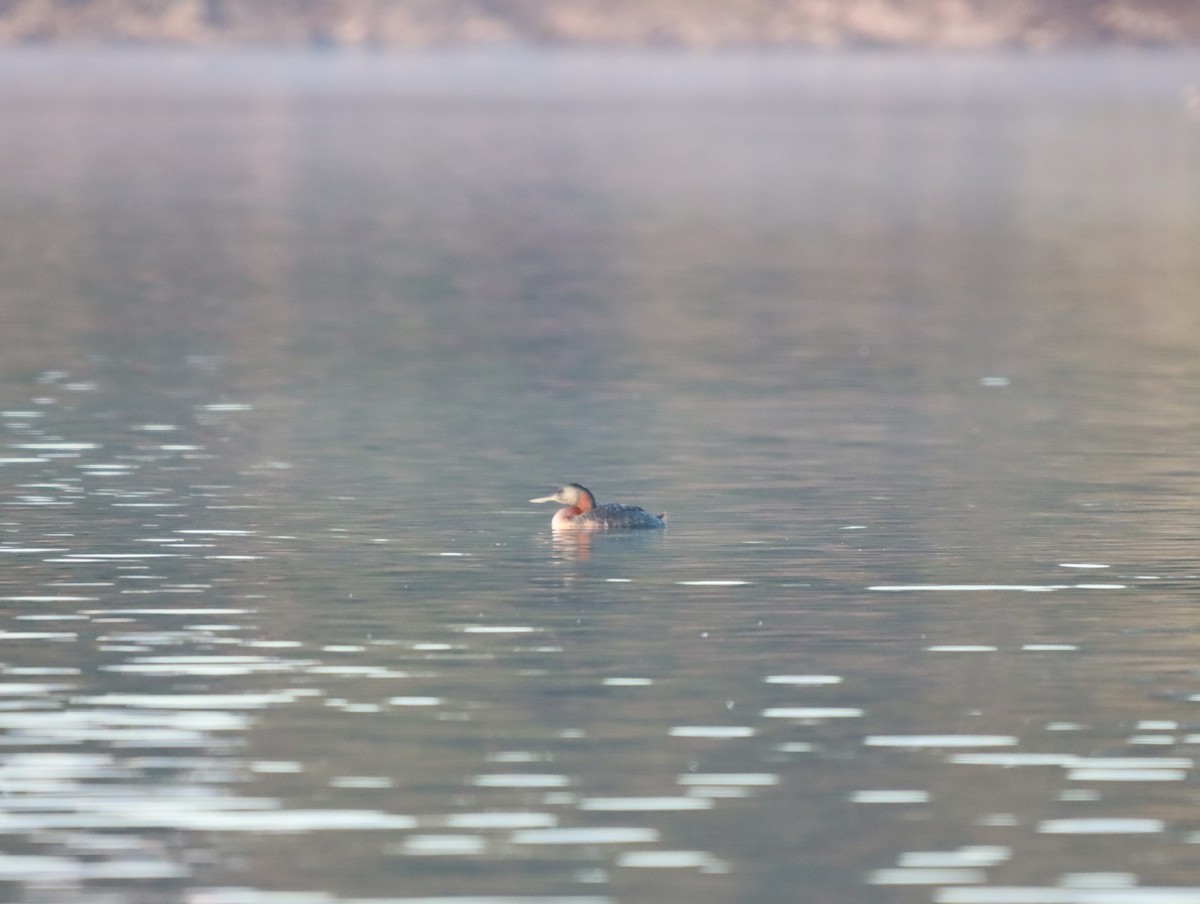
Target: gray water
905	346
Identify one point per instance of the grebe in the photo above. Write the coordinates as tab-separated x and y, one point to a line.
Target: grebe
582	513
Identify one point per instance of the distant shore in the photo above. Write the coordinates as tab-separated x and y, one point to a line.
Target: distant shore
688	24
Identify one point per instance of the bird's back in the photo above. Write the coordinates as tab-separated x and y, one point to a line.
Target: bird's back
616	516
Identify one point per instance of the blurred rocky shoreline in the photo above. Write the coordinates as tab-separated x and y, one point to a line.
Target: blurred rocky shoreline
690	24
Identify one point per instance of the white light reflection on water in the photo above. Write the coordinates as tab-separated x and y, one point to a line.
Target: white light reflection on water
697	860
38	635
812	712
49	599
966	588
1127	775
111	724
497	820
1059	895
31	690
711	731
194	815
228	406
918	741
256	896
927	876
965	866
56	869
969	855
586	835
804	680
1101	826
890	796
520	780
648	804
62	446
228	666
47	792
729	779
192	701
443	845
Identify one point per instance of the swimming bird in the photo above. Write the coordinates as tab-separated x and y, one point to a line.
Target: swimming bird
582	513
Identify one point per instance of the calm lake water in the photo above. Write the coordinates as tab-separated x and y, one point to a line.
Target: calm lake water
907	347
